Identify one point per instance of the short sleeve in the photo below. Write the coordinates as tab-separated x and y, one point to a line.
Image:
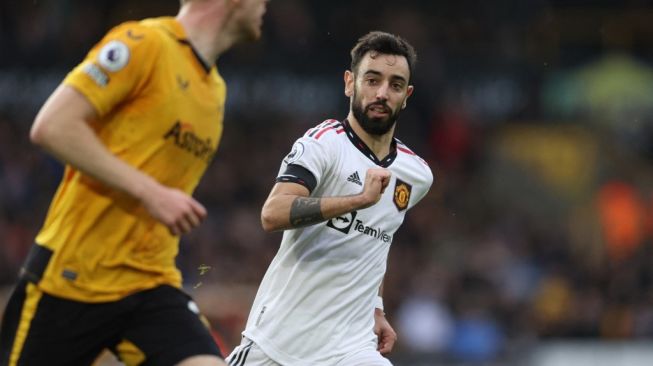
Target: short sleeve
424	187
117	67
312	156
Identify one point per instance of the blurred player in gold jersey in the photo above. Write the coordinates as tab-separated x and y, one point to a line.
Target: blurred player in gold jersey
137	123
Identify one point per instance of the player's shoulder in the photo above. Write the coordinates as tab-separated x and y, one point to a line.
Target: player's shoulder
144	34
407	154
328	131
128	41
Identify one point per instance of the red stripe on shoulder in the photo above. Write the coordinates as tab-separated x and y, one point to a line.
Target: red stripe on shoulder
319	134
311	131
329	123
405	150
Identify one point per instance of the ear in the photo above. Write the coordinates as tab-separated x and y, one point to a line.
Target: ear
409	92
349	83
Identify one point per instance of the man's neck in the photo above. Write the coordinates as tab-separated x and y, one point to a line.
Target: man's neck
204	23
378	144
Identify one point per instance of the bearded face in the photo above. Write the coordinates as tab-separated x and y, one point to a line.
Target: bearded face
376	118
249	19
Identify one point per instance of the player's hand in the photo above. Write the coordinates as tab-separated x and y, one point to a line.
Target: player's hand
178	211
386	335
376	180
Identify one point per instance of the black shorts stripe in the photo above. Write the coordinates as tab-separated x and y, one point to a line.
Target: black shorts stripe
236	359
241	356
242	363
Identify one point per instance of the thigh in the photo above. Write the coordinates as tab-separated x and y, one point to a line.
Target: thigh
40	329
164	327
365	357
10	322
249	354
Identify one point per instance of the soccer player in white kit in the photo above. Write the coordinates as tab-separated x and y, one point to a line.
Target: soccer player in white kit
341	194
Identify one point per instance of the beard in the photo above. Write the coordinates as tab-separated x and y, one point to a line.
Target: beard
248	26
250	33
374	125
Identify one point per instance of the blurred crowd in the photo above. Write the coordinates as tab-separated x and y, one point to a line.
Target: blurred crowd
535	116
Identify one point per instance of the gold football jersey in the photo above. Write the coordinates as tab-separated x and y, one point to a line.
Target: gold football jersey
160	109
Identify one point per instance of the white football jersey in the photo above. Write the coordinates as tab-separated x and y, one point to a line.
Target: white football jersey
315	304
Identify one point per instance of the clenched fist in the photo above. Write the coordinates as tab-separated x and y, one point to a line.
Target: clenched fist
376	180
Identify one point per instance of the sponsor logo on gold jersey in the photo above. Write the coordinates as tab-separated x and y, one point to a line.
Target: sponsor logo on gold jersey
183	136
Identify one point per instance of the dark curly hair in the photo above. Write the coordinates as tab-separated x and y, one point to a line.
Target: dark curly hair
385	43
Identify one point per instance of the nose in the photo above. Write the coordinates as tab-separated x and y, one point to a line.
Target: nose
382	92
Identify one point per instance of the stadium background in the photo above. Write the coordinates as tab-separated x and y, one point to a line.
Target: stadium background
534	246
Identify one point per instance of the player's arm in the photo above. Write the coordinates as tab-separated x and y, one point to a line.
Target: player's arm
289	205
61	127
382	328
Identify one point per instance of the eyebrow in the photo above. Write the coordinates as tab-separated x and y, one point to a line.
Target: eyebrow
393	77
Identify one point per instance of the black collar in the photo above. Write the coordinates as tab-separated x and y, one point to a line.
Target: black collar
206	66
360	145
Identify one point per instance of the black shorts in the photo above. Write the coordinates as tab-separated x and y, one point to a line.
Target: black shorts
161	326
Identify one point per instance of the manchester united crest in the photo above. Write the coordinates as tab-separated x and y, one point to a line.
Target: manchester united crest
402	194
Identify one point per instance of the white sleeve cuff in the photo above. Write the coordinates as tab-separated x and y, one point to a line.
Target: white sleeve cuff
378	303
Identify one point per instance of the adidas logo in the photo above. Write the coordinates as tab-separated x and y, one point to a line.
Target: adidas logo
354	178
